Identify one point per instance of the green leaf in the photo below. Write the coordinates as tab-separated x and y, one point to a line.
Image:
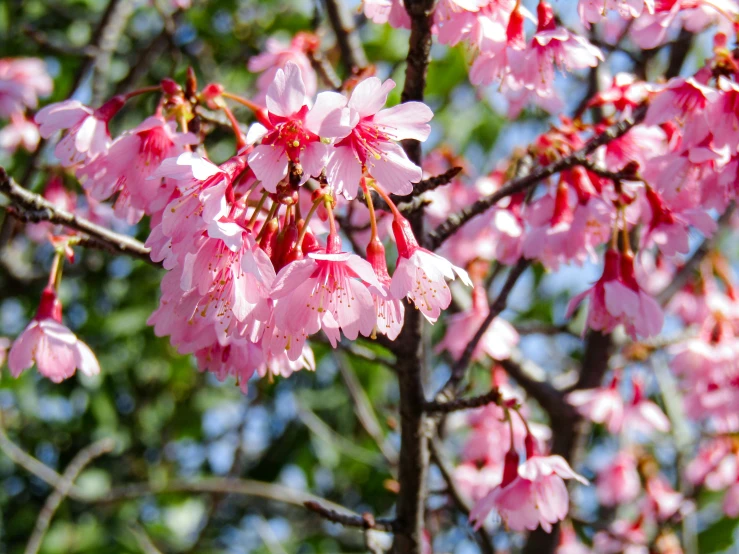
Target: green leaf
718	537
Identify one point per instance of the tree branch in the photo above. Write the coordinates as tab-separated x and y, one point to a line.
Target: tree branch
459	369
462	503
62	488
365	521
34	207
352	53
455	221
464	403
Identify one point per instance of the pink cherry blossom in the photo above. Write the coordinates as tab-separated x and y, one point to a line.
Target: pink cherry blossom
326	290
536	496
618	482
129	163
277	54
19	132
716	465
387	11
368	138
421	275
497	342
390	311
603	405
291	135
681	98
55	350
22	81
664	500
551	46
87	135
642	414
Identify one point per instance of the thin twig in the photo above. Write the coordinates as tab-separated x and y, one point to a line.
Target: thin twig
464	403
463	504
78	463
459	369
347	39
457	220
365	521
36	208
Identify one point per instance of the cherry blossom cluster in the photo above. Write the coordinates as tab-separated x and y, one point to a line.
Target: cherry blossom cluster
248	277
22	81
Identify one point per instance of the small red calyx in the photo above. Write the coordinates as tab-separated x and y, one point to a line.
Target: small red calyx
333	244
376	258
211	92
404	237
170	87
545	14
310	242
532	449
510	467
110	108
515	33
269	238
49	307
287	239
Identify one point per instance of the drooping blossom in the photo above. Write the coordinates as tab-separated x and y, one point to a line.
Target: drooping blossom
618	482
421	275
531	494
551	47
277	54
326	290
87	129
367	139
22	81
129	163
663	499
46	342
497	342
20	132
290	131
390	311
601	405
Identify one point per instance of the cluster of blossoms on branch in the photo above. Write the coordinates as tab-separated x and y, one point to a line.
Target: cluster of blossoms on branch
258	257
22	81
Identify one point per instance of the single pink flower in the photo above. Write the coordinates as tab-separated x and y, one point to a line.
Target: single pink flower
421	275
663	499
625	299
22	81
387	11
497	342
618	482
87	135
291	132
19	132
551	47
326	290
55	350
129	163
367	139
536	495
716	465
642	414
681	98
276	56
602	405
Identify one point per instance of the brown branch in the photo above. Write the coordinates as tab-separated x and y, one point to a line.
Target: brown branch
455	221
464	403
549	398
463	504
365	521
459	369
411	203
408	349
324	70
347	39
36	208
62	489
